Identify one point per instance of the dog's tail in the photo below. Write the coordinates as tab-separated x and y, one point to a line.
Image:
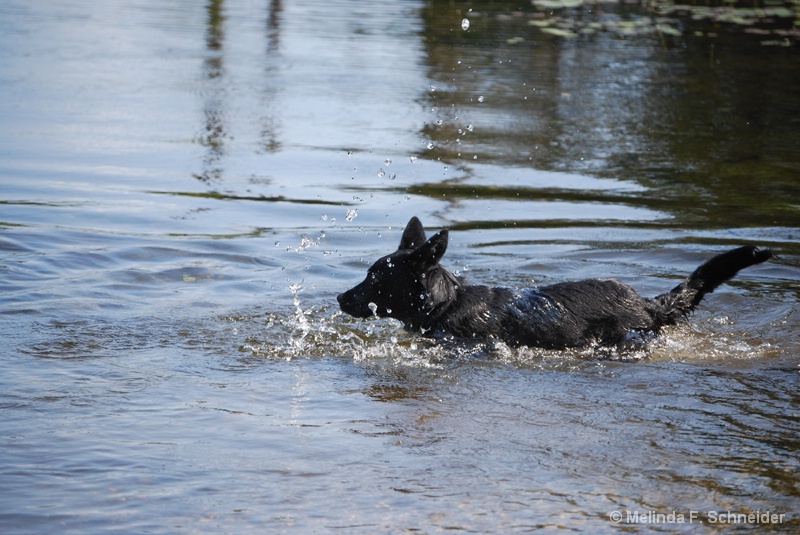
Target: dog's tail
676	304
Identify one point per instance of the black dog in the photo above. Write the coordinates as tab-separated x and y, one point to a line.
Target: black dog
410	285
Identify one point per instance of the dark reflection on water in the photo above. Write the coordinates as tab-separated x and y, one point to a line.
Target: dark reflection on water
184	188
213	136
704	119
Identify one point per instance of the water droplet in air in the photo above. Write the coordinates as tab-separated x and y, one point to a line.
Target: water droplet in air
480	98
351	214
381	173
429	145
413	159
465	24
374	308
387	161
470	127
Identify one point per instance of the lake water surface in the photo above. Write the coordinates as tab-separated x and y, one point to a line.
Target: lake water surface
186	186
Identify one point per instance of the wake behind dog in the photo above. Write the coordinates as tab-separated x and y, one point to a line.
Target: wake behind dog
412	286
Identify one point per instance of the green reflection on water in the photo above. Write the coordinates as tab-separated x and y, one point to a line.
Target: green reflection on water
707	118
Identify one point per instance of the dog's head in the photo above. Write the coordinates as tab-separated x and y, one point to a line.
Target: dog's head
408	284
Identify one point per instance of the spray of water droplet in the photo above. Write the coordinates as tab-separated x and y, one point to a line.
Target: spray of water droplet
465	24
305	243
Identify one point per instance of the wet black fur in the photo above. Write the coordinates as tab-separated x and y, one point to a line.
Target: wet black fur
410	285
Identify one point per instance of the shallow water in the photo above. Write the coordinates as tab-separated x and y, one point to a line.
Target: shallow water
184	188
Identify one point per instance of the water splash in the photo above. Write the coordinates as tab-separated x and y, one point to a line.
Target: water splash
313	331
310	331
305	243
301	322
705	342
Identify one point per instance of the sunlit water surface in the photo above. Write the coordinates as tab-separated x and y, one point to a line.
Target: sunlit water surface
184	188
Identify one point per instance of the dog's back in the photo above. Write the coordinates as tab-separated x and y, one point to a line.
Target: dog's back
573	314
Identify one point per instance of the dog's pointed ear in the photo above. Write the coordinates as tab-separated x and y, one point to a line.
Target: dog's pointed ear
413	235
431	252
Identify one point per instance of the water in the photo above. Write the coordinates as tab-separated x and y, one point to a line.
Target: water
184	188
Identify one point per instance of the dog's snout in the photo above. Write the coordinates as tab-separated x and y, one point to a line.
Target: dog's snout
340	298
